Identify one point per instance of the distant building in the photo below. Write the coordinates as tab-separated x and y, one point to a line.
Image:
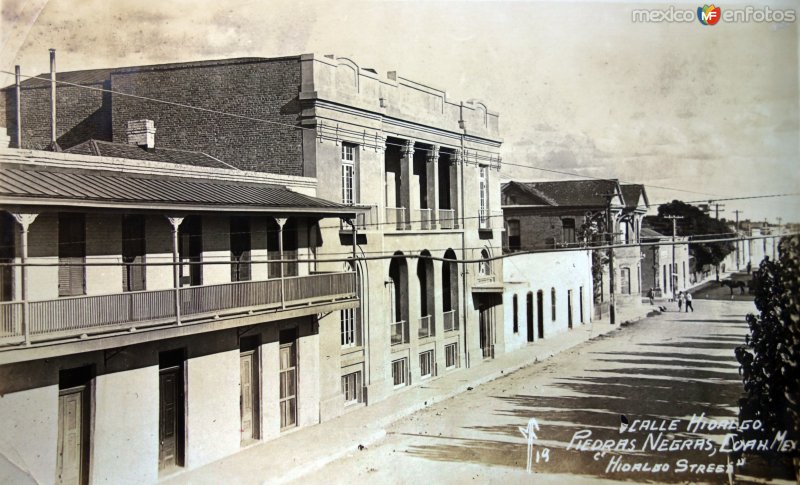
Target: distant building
572	213
658	270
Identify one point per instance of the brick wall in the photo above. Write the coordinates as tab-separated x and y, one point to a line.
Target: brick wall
265	89
535	230
81	114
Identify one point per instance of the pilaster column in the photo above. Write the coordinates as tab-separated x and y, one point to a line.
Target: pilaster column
456	189
433	185
25	219
175	222
406	176
281	222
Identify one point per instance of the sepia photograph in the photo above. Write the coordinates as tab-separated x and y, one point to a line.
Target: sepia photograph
399	241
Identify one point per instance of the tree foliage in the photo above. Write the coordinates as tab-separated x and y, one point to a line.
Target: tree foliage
591	233
770	360
698	225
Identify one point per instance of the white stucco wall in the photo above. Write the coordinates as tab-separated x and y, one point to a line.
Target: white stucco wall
212	417
126	419
564	270
26	414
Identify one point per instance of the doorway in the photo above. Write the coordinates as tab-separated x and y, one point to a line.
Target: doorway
569	309
72	465
486	334
249	388
288	378
529	315
171	409
540	312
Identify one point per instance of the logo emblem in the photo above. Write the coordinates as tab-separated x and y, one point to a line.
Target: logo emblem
708	14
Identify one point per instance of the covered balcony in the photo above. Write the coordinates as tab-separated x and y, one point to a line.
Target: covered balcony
103	255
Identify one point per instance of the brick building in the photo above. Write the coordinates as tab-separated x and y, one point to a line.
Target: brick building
572	213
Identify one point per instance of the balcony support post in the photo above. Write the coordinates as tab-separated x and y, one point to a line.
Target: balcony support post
281	222
25	219
175	222
433	186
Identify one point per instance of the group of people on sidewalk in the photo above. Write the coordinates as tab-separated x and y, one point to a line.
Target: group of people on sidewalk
683	299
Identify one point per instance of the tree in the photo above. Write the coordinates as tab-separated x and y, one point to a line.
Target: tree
591	233
770	360
699	226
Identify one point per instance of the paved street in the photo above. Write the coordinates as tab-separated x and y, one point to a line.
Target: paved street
660	369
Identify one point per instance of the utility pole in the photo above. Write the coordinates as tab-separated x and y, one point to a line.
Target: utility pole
612	311
778	233
673	269
737	212
717	209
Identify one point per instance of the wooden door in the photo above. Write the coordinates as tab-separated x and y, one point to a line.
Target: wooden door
485	326
71	430
247	395
170	402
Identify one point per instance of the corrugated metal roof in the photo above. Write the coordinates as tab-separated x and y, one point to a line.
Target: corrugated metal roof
109	187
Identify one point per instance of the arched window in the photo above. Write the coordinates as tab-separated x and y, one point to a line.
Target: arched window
398	279
427	293
485	266
450	295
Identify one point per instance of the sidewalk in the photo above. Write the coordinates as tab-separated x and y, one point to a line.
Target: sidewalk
295	454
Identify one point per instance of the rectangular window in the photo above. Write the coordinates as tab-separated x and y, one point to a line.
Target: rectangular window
553	304
133	253
72	254
483	191
240	248
625	274
349	327
348	174
400	372
190	251
351	388
515	305
451	356
426	364
514	240
568	231
8	231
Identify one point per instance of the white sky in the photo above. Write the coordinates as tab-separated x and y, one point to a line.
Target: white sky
579	86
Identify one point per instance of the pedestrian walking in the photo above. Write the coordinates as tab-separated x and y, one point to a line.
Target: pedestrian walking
689	302
651	296
680	301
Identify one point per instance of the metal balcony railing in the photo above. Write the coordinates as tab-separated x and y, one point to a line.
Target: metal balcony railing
450	321
398	332
69	317
447	218
395	218
425	327
425	223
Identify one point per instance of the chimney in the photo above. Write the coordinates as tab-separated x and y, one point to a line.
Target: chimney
142	133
